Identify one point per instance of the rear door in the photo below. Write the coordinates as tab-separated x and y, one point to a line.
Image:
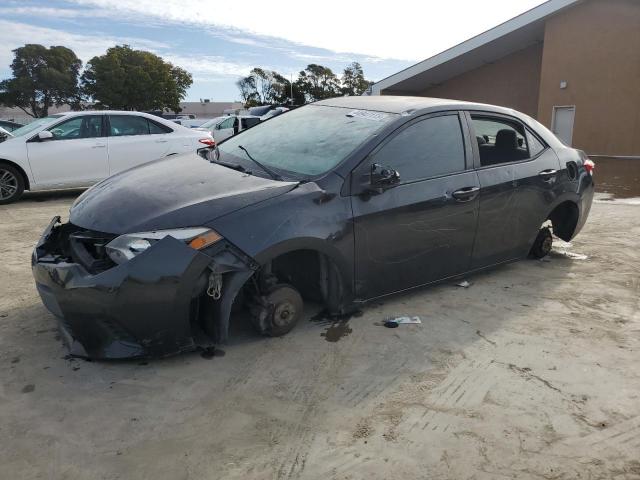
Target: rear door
517	174
134	139
421	229
76	156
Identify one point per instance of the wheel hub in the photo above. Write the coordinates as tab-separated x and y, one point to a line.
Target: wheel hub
8	184
283	313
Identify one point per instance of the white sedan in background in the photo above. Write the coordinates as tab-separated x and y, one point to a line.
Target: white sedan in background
224	127
78	149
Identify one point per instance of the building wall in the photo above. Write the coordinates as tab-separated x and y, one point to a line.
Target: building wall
513	81
595	48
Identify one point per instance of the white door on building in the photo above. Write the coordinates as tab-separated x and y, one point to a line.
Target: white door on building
562	124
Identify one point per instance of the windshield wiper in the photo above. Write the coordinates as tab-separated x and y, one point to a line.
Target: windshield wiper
271	173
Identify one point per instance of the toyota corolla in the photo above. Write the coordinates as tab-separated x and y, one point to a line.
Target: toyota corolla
337	203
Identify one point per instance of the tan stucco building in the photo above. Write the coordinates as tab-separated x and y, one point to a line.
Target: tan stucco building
572	64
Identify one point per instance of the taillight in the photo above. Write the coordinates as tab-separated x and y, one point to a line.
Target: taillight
209	142
589	165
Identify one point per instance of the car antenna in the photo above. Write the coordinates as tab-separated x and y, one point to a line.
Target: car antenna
273	174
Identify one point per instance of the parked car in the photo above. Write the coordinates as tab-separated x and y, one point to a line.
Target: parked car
77	149
222	128
9	125
339	202
4	134
266	111
274	112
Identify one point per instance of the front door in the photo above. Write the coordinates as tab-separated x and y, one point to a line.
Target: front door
562	123
420	229
76	156
225	129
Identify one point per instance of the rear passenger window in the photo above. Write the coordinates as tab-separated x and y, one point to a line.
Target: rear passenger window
156	128
535	145
425	149
500	141
122	125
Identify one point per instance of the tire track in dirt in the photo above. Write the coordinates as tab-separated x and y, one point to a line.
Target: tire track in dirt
622	436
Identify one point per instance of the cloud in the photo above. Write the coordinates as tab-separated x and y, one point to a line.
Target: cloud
52	12
405	30
16	34
202	65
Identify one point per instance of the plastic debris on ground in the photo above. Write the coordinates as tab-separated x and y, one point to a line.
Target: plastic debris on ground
463	284
395	321
562	248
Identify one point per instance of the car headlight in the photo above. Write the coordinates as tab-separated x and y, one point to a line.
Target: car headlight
125	247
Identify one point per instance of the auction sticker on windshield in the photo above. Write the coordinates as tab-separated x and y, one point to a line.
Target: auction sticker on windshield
368	114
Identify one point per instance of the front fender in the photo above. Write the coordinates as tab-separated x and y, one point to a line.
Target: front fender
306	218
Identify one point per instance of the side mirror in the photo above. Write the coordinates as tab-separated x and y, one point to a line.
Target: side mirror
383	177
45	135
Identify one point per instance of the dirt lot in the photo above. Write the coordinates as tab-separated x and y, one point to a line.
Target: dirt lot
531	372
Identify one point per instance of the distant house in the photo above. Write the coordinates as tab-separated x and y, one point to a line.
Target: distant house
572	64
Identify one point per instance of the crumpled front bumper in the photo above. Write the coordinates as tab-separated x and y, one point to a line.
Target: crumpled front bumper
150	306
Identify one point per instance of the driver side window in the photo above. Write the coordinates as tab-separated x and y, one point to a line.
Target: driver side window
85	126
228	123
425	149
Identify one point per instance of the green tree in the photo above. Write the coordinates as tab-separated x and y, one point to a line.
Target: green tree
42	77
248	92
318	82
128	79
353	81
264	87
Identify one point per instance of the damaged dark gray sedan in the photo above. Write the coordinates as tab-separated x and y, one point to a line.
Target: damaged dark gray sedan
338	202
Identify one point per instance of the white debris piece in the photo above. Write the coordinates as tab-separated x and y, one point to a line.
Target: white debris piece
399	320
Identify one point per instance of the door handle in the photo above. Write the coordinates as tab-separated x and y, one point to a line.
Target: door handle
466	194
548	175
162	141
99	145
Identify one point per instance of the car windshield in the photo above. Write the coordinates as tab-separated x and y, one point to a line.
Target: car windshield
213	122
307	141
34	125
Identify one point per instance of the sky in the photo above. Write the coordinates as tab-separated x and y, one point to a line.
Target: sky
220	41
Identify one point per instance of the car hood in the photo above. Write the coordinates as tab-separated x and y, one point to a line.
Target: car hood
179	191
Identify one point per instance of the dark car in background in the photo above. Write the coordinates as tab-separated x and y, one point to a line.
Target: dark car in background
338	202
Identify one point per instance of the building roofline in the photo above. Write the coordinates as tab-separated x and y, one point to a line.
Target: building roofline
530	16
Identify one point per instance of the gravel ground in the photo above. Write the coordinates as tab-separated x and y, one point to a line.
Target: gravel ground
531	372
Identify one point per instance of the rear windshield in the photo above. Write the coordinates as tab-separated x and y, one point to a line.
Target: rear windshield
308	141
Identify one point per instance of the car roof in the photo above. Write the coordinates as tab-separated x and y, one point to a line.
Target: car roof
111	112
400	104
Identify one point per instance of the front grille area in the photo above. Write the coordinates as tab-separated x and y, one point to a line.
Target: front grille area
88	249
70	243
